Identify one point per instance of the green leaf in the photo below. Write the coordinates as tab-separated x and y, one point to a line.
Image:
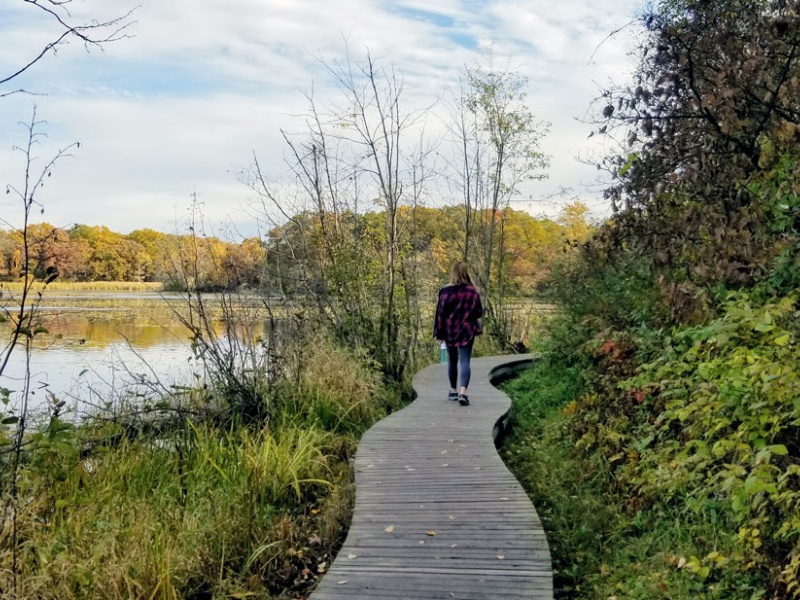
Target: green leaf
765	324
778	449
753	485
782	340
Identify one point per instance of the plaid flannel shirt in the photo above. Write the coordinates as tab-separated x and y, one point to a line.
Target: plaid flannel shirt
457	314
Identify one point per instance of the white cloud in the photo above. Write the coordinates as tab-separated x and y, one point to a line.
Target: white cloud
147	143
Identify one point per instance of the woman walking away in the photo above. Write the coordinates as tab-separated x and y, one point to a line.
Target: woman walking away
457	322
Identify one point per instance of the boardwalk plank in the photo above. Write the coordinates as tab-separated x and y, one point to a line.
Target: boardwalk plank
459	525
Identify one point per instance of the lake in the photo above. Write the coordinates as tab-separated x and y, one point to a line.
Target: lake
102	345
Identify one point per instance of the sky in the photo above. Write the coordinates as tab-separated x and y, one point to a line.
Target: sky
199	87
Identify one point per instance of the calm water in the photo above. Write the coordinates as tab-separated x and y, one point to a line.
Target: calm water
100	346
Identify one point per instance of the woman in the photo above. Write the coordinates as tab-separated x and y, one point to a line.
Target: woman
456	324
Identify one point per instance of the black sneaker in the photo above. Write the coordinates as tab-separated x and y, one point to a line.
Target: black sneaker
452	396
463	400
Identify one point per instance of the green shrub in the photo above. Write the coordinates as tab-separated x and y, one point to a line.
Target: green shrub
600	296
605	542
724	430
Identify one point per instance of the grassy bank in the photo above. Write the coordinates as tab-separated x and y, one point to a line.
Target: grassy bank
607	538
205	508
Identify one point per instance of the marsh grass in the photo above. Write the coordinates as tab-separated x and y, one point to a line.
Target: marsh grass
204	511
334	388
89	286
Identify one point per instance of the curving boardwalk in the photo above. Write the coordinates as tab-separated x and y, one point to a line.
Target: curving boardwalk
437	513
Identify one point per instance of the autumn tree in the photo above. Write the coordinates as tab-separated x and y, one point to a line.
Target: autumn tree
9	260
574	218
710	119
156	245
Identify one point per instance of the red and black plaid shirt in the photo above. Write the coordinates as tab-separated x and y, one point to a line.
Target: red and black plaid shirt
457	314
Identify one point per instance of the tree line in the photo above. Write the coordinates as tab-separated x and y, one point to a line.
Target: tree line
95	253
84	253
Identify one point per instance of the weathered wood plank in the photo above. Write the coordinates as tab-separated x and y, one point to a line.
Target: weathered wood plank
437	513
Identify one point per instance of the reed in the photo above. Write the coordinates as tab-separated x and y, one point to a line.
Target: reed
206	510
88	286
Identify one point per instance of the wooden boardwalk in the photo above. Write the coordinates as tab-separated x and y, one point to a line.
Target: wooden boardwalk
437	513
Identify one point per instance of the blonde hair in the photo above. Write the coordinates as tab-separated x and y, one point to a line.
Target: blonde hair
460	274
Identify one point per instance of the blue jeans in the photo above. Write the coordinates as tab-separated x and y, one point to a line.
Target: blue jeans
458	360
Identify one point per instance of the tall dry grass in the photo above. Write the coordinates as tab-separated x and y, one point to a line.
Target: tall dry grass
204	511
88	286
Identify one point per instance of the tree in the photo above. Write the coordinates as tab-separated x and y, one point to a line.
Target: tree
22	313
713	110
500	149
350	264
573	217
8	249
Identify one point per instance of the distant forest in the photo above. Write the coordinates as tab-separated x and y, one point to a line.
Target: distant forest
84	253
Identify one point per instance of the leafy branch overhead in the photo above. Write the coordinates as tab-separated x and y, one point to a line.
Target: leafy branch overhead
713	108
717	92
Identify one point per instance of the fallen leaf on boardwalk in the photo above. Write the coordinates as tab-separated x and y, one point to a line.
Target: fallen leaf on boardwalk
452	518
343	581
432	533
352	556
454	546
477	468
389	529
503	498
500	557
451	441
443	452
446	465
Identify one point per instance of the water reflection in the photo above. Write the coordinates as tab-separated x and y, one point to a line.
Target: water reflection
97	346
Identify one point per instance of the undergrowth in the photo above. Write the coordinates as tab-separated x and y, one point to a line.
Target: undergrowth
207	509
607	539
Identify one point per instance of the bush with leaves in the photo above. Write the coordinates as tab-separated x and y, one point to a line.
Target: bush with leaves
724	426
707	418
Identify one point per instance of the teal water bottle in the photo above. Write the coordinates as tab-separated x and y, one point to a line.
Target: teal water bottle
443	353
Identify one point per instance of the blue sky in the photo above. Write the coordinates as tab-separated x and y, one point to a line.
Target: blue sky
182	105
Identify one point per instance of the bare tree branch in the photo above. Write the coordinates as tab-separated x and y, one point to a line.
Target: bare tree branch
92	33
